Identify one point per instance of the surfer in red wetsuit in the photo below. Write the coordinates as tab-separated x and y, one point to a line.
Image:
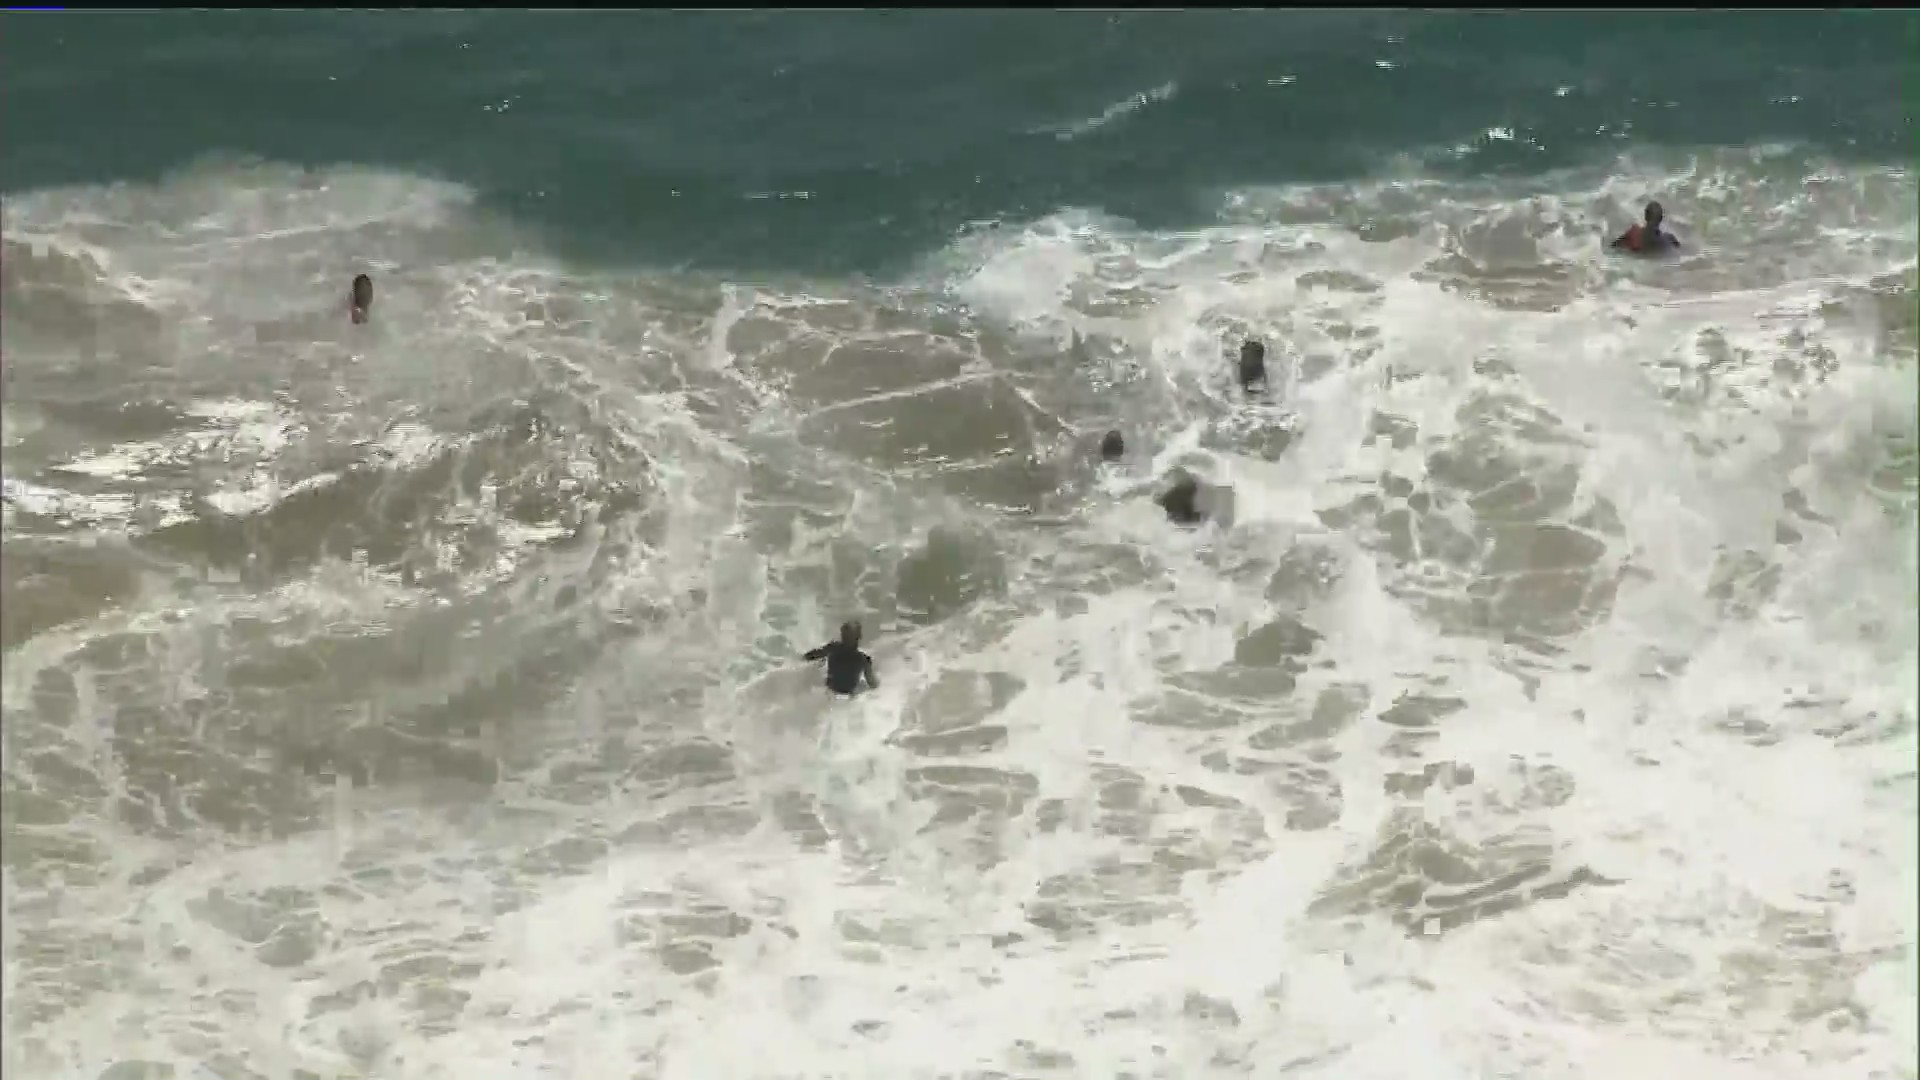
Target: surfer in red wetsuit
360	301
1647	239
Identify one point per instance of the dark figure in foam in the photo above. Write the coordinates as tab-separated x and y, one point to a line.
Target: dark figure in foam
1253	366
1182	500
846	664
1648	238
360	299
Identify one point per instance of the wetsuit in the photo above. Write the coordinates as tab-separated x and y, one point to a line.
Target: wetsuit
845	665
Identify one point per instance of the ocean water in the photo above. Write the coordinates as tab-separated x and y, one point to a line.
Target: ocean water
419	699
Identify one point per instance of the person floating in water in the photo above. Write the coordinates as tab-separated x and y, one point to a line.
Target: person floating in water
1648	238
1253	365
360	301
1182	500
1113	446
846	664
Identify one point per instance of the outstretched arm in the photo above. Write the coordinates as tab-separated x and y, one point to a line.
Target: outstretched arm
815	654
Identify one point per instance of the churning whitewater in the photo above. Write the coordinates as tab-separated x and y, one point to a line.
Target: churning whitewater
421	698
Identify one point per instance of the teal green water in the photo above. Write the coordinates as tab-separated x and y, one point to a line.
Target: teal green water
847	141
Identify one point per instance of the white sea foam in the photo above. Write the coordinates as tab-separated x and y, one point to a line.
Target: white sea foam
1624	786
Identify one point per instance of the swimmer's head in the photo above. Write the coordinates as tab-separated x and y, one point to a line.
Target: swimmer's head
362	292
850	632
1112	446
1181	501
1655	215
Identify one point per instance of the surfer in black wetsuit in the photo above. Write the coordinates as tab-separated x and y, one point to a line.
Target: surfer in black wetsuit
1182	500
846	664
1253	365
360	301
